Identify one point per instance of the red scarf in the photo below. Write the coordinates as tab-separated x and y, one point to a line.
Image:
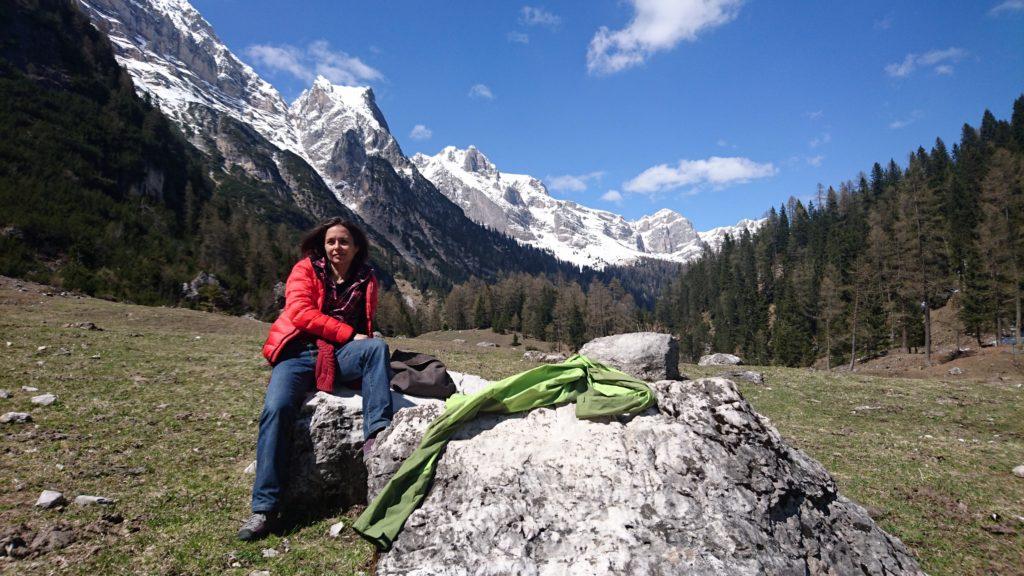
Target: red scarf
362	280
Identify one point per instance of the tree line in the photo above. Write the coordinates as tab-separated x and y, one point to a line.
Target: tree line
855	272
555	310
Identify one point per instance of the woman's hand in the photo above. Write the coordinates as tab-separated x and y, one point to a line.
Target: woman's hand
360	337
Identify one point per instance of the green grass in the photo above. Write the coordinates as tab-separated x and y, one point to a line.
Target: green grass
165	423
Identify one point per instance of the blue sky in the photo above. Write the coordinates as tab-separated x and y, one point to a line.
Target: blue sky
717	109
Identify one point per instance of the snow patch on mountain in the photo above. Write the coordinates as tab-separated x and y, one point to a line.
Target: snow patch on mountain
520	206
173	54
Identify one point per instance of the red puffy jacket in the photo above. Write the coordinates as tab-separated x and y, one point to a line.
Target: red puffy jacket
303	300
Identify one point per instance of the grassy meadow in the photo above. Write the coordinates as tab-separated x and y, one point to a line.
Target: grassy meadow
158	411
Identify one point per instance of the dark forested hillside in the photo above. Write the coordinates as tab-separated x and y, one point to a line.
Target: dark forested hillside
99	191
857	271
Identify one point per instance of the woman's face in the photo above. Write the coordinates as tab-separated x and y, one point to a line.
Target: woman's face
339	247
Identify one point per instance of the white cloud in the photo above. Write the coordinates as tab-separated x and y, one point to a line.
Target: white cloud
904	122
612	196
481	91
815	114
825	138
1007	7
942	60
532	16
571	182
714	171
815	160
657	25
518	37
421	132
315	59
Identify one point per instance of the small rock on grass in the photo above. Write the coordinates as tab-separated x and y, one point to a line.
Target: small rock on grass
50	499
955	371
336	529
29	389
260	573
44	399
1018	471
15	418
5	393
270	553
486	344
84	500
251	468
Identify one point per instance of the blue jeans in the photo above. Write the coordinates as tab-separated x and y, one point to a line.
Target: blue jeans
290	382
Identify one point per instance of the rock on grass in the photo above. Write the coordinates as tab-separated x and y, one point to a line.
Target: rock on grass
15	418
50	499
84	500
44	399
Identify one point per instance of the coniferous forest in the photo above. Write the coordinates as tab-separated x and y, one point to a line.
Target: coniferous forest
857	271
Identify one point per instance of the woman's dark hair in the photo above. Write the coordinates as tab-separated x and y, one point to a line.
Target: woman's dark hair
312	244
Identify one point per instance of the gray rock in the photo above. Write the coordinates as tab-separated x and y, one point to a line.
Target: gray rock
204	287
468	383
955	371
83	326
648	356
270	553
699	485
747	375
279	295
5	394
15	418
50	499
29	389
44	399
1018	471
719	359
336	529
85	500
327	461
251	468
486	344
543	357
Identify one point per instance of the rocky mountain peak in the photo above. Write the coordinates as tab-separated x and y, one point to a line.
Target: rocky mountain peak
325	97
172	53
475	161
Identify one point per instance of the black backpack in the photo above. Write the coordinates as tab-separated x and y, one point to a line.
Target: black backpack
419	374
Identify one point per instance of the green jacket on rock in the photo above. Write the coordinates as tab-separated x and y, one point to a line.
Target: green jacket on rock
597	390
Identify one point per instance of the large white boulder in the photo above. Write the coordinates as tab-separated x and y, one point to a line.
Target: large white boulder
701	484
648	356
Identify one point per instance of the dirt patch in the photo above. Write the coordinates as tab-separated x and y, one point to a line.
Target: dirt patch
992	364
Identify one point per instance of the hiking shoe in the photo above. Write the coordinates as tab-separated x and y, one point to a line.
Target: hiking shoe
256	527
368	447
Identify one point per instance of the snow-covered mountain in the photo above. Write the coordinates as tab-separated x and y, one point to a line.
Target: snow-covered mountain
173	54
332	153
520	206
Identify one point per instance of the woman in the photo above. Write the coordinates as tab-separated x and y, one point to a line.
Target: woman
323	337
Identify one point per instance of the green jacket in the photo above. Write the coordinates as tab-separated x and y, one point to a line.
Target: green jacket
597	390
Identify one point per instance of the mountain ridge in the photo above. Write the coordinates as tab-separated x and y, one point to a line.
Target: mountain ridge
521	206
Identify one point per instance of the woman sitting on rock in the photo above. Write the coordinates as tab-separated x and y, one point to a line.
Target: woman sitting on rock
322	338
